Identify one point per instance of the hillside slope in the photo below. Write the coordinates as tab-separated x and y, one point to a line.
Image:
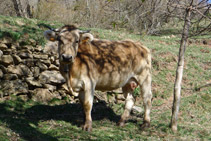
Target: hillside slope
23	118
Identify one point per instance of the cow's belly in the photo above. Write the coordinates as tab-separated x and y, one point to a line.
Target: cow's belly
111	81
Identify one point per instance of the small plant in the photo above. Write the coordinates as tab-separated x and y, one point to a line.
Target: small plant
136	92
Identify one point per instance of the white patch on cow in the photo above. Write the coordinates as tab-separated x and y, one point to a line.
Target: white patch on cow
87	36
129	101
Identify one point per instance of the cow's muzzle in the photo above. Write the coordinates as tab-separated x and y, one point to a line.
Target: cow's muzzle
67	58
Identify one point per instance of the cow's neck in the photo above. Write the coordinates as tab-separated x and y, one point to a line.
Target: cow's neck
65	70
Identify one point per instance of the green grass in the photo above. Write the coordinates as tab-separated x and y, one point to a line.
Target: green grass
23	29
60	120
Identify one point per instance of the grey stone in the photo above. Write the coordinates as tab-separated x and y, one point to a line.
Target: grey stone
62	93
1	53
14	87
29	48
120	97
6	60
33	83
42	66
17	60
3	46
57	95
53	67
9	51
35	71
137	109
46	62
3	68
38	49
6	40
52	59
32	42
42	95
10	77
1	74
20	70
50	87
25	55
56	62
51	77
14	47
111	98
40	56
30	62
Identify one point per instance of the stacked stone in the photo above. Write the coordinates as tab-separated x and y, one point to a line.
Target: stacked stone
30	70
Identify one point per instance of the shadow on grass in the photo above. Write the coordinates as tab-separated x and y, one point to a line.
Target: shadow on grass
22	120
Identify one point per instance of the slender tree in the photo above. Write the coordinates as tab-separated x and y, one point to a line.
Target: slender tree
198	8
22	8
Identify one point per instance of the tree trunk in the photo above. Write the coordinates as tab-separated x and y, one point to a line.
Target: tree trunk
22	8
179	71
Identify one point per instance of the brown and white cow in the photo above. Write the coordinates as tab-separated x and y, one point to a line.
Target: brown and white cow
90	64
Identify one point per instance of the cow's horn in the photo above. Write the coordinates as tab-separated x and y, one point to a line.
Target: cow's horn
46	26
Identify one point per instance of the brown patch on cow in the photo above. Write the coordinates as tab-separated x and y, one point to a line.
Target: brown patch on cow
110	56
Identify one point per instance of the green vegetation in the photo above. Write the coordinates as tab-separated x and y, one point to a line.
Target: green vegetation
59	120
23	29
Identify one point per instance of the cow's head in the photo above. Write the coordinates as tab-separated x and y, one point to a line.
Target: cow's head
69	37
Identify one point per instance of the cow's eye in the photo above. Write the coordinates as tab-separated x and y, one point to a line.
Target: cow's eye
77	41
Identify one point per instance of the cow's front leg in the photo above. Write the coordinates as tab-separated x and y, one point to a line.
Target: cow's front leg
86	99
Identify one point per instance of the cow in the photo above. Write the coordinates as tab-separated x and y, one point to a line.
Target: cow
90	64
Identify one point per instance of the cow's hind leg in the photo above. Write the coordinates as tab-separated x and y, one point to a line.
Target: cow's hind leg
147	97
129	102
86	99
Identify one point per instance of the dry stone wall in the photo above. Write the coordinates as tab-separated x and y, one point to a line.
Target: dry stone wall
30	70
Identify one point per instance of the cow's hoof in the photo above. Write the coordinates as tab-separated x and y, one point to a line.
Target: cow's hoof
121	123
87	127
145	125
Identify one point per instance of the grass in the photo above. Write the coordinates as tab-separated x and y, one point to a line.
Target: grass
59	120
23	29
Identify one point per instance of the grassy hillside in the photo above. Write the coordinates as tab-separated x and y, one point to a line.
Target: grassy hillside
60	120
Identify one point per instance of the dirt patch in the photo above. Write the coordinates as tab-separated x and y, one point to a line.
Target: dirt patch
169	63
204	51
168	56
203	42
170	77
206	65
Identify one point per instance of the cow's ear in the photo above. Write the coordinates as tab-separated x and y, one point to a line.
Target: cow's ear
50	35
86	37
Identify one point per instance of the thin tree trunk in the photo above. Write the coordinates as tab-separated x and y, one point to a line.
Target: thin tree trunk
17	7
179	71
22	8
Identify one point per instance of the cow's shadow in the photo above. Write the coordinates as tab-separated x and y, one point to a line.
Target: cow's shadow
72	113
21	122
